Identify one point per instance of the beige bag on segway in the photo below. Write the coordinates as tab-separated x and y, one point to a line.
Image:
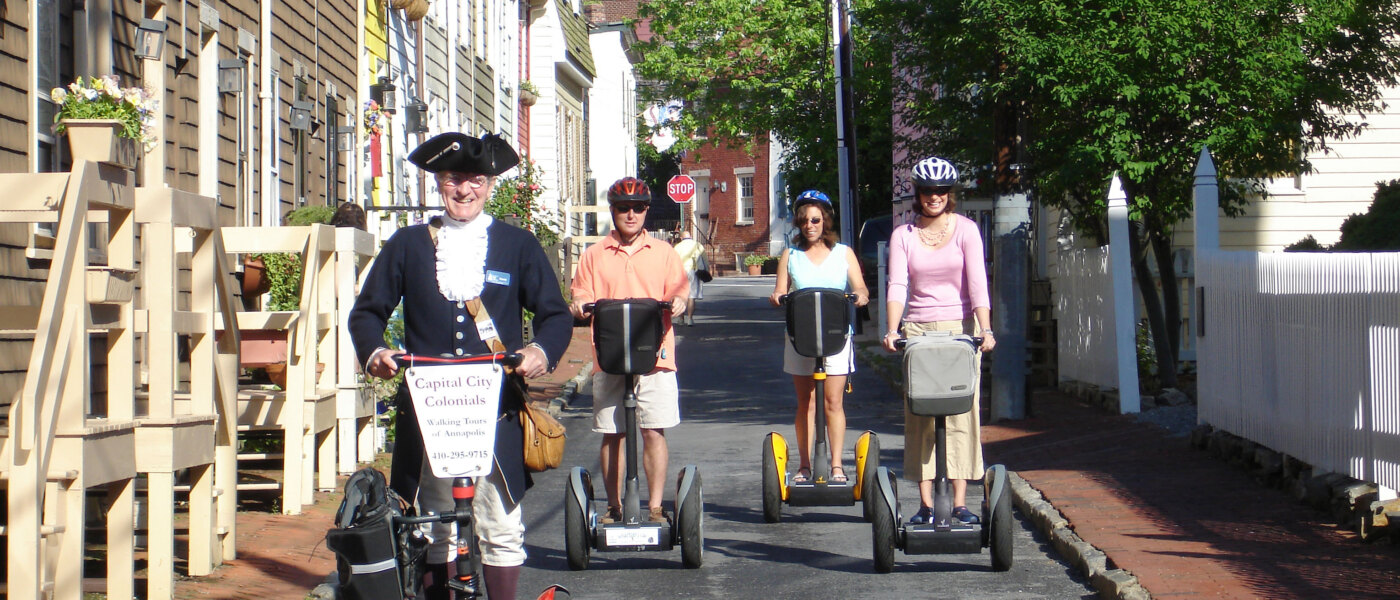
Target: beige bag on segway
940	374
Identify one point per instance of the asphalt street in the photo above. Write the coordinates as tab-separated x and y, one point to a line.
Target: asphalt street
733	392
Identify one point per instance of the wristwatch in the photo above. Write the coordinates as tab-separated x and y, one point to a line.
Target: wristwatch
987	332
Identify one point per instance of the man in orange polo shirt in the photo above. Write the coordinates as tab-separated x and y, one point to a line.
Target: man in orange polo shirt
630	263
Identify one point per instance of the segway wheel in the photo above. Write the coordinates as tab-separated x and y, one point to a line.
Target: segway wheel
868	487
772	486
578	542
1000	540
882	524
691	522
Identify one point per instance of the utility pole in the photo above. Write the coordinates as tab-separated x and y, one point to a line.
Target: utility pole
1011	264
845	122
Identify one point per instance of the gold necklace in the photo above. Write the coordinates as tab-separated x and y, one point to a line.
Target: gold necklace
933	239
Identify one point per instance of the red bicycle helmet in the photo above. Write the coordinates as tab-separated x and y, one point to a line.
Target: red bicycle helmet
629	189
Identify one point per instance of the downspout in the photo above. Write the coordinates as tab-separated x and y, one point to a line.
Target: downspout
271	190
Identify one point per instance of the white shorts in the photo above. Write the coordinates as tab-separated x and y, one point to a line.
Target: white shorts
500	526
837	364
658	401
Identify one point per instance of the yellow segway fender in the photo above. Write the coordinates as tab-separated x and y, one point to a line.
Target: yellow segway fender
780	458
863	448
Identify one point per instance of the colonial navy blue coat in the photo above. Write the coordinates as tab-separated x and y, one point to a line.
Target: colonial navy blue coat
517	276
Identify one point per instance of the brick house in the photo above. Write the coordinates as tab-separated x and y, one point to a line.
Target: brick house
739	206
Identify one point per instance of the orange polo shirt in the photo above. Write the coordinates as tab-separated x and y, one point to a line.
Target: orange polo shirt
648	268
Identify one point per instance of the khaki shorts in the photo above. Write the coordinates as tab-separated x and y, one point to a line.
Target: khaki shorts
658	401
836	364
500	526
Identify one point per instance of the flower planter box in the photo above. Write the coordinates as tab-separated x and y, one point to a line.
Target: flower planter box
97	140
107	285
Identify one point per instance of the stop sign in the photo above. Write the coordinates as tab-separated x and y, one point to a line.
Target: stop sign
681	188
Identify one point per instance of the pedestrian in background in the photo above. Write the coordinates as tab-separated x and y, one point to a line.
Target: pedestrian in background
817	260
630	263
436	270
937	268
692	254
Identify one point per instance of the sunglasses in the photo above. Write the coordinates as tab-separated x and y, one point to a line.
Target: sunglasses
623	209
810	221
940	190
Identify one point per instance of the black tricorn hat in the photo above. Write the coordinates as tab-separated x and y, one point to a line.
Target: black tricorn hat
487	155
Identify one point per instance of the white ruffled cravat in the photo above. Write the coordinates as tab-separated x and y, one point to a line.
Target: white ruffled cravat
461	257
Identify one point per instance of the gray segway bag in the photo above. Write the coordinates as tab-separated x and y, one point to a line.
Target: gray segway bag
817	321
940	374
627	335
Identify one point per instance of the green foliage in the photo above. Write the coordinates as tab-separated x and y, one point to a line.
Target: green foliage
104	98
518	197
1379	227
1307	244
1146	359
527	86
284	269
756	259
1137	88
748	68
308	215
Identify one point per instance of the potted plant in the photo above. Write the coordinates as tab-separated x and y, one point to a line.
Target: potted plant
754	262
282	271
529	94
104	121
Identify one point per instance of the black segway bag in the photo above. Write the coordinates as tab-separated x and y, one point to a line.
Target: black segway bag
375	559
817	321
941	374
627	335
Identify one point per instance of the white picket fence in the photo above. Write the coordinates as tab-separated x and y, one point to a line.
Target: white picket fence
1084	317
1300	352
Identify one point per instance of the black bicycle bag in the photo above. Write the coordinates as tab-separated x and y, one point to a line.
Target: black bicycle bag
376	559
627	335
818	320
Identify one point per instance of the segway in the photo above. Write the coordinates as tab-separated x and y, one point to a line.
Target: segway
818	321
627	335
941	375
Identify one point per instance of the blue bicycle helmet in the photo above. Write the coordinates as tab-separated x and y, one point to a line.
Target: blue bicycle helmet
810	197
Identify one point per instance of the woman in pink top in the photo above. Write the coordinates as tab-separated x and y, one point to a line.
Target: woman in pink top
938	270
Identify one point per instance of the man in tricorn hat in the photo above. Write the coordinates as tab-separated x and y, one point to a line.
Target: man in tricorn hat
436	270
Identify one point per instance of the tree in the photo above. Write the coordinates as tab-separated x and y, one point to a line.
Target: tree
748	68
1137	87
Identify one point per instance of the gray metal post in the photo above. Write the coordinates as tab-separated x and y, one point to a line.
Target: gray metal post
1011	278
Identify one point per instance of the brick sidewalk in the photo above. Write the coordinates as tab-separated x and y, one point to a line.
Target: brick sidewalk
284	557
1185	524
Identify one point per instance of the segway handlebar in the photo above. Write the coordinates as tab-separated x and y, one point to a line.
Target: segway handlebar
509	359
663	305
901	342
784	298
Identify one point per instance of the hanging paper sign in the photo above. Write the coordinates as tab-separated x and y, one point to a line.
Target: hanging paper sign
457	408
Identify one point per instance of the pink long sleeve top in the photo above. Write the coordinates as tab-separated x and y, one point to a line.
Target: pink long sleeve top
938	285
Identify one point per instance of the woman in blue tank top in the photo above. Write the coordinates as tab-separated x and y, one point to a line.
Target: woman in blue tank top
817	260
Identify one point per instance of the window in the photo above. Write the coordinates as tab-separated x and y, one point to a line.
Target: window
744	209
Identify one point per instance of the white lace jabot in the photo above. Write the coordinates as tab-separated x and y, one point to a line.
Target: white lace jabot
461	257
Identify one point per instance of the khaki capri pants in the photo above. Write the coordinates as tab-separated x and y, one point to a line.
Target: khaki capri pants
964	431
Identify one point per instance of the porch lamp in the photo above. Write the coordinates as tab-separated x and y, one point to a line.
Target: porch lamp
344	138
384	94
301	115
416	119
150	38
231	75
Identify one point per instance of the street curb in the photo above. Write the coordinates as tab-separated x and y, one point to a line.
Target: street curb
1112	584
566	395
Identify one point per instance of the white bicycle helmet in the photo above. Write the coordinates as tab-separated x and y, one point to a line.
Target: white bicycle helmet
932	172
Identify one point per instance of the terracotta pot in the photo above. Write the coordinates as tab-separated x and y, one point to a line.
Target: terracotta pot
255	281
277	373
755	269
97	140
